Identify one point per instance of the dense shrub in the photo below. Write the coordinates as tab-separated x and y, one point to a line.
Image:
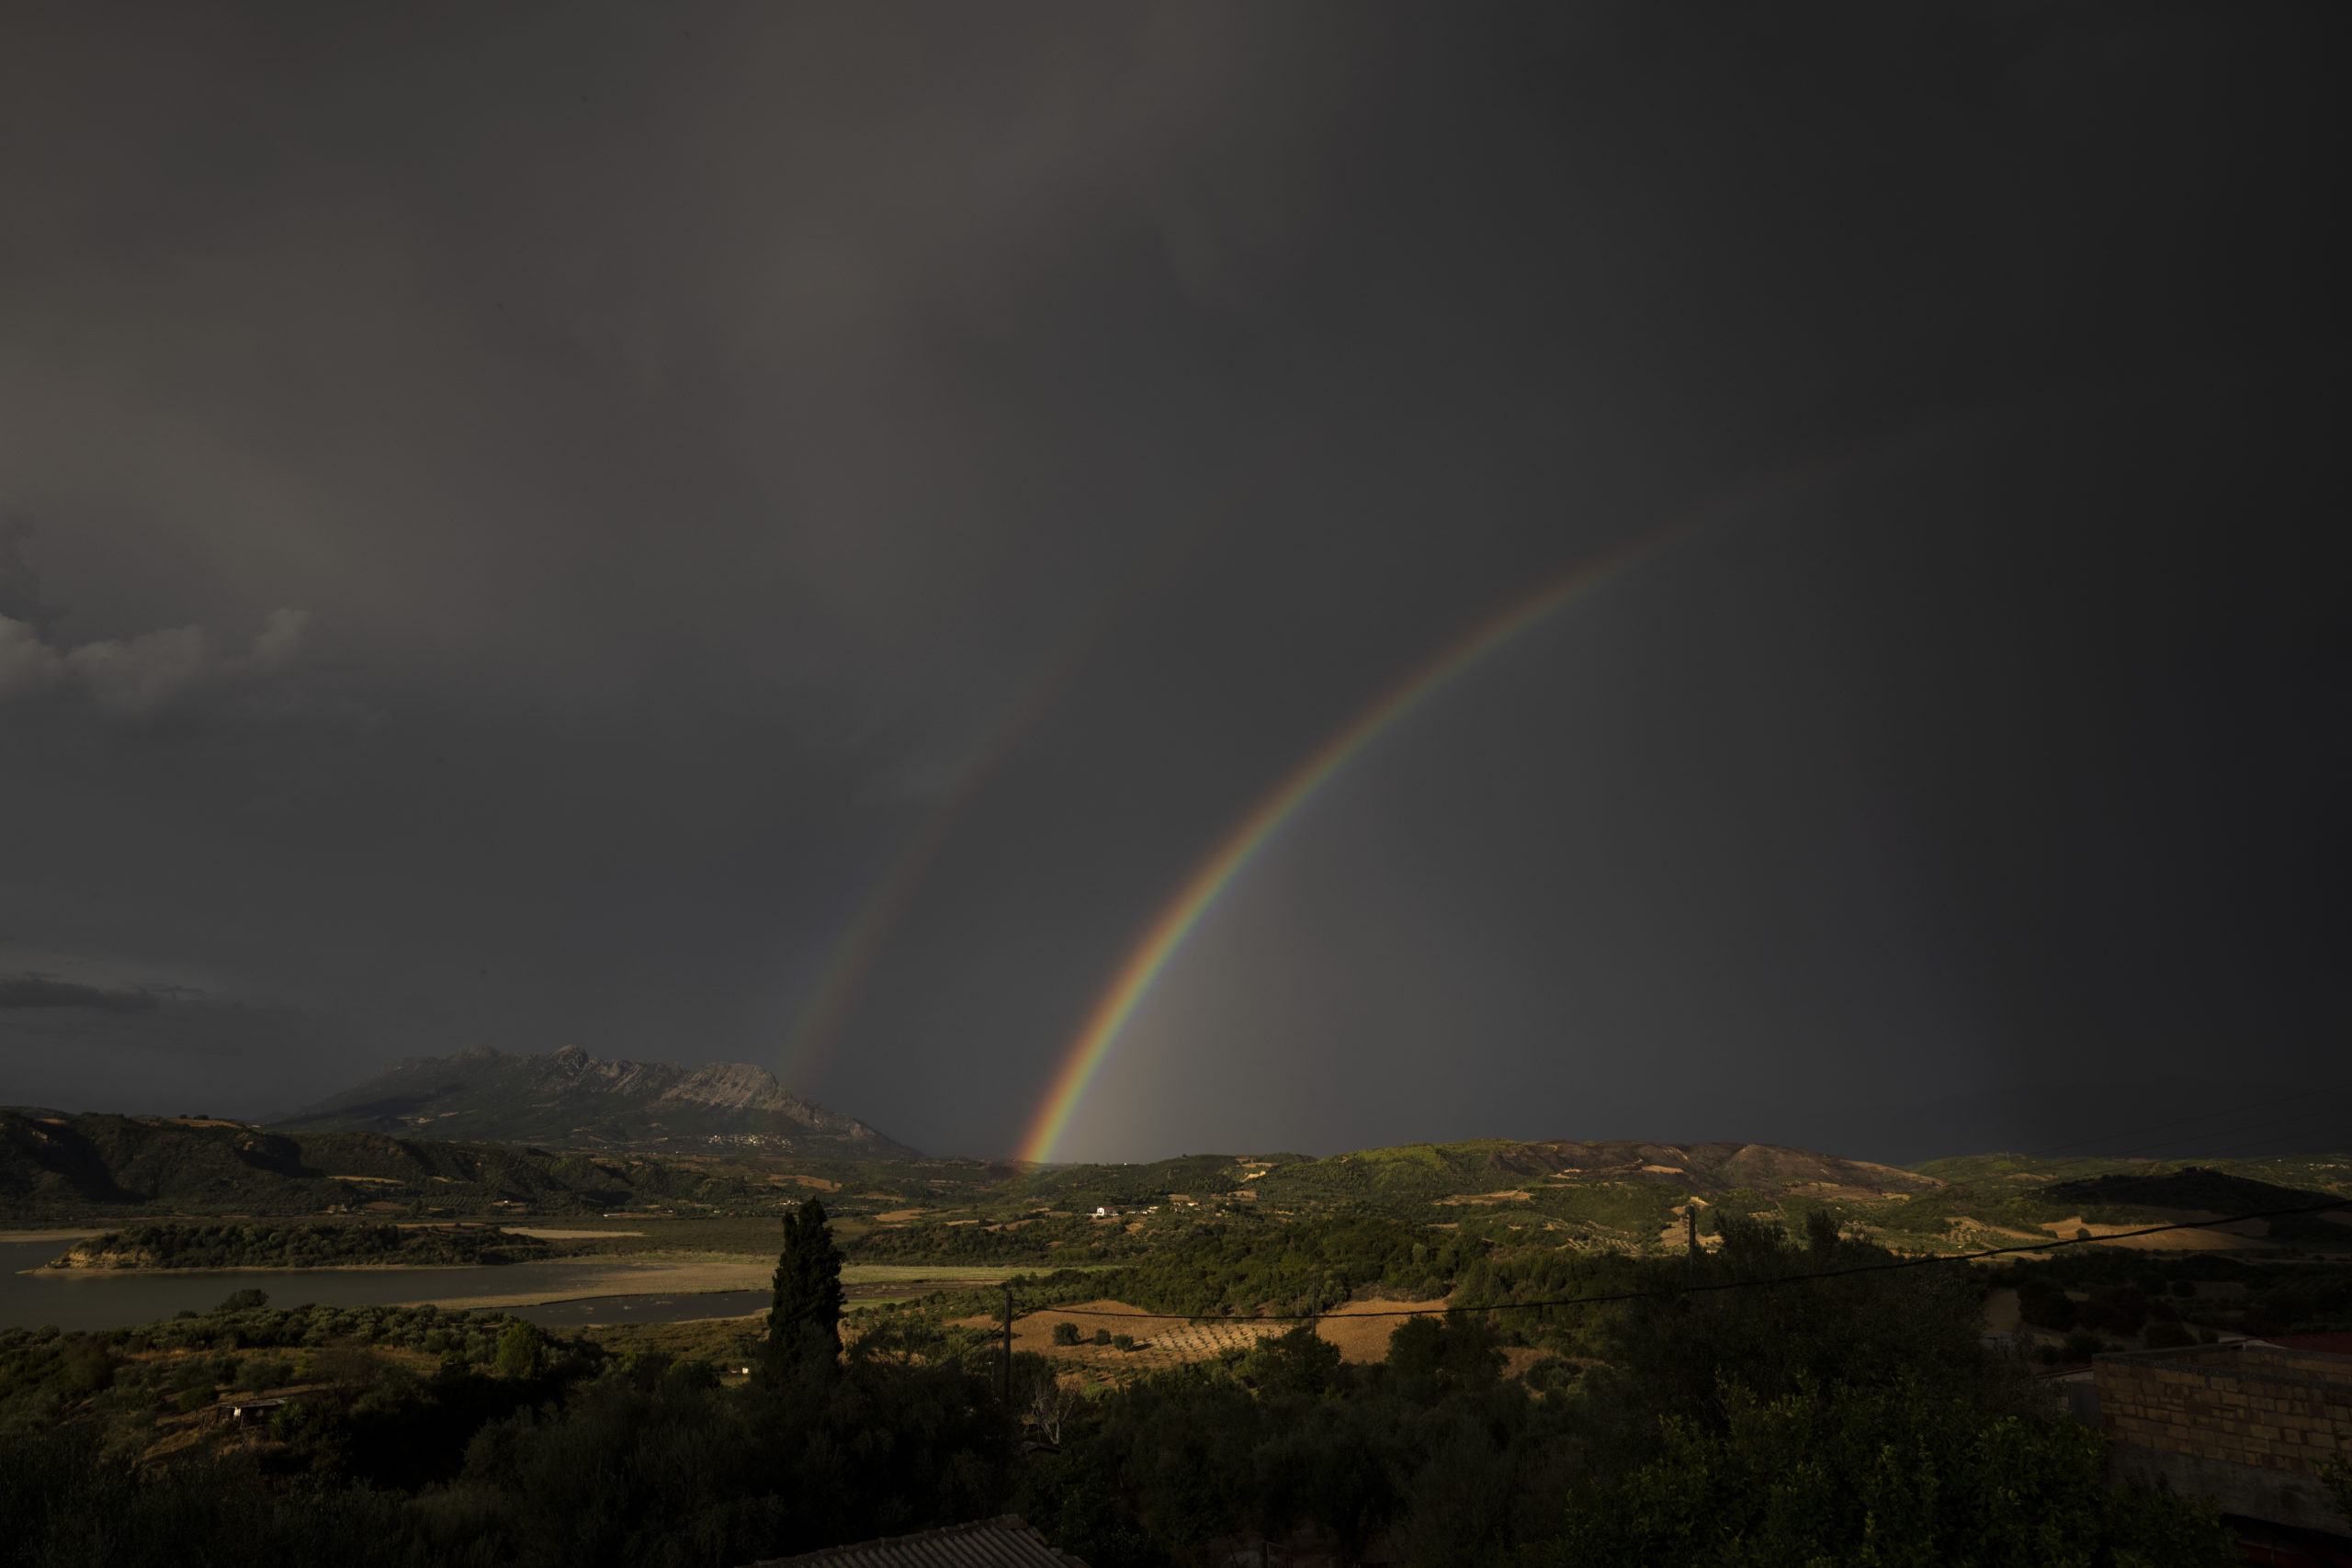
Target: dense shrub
2118	1309
175	1244
262	1372
522	1350
1897	1475
2043	1305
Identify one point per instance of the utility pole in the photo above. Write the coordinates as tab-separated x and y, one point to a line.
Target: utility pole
1004	1370
1691	1228
1315	1308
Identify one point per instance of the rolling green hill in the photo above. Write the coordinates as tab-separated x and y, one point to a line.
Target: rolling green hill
1559	1194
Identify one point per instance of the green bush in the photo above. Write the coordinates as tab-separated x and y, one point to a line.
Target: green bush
2044	1305
1064	1334
262	1372
1460	1346
195	1399
1891	1476
1298	1362
87	1366
2117	1309
522	1350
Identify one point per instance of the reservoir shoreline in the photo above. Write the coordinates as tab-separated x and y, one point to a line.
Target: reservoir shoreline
641	1288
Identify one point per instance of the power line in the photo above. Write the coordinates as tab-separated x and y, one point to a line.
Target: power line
1887	1267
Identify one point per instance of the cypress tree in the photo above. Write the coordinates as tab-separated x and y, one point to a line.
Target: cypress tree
804	1319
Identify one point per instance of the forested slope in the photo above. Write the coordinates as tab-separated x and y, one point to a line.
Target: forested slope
58	1166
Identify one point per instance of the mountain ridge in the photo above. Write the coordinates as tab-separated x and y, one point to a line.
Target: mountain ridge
567	1098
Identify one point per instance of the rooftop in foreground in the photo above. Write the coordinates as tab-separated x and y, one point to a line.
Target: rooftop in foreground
1006	1541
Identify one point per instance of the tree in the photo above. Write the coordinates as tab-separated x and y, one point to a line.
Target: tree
1825	1313
1336	1465
1040	1396
2337	1475
1298	1362
805	1319
1461	1346
522	1350
1884	1475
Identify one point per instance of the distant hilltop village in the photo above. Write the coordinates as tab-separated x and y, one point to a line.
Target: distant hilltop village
569	1096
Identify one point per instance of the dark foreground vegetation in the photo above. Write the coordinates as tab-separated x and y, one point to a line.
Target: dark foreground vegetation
1793	1420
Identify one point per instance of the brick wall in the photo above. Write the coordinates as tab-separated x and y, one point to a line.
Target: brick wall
2250	1404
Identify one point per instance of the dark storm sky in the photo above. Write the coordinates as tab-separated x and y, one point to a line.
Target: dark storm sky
517	514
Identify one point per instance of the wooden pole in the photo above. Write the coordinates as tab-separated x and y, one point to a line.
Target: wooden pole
1004	1370
1691	1228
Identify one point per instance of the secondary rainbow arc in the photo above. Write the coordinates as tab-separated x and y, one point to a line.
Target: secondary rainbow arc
853	956
851	959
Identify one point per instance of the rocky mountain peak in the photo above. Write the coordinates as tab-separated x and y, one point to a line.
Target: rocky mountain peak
567	1096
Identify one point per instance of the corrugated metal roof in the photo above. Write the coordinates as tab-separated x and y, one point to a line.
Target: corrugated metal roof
1007	1541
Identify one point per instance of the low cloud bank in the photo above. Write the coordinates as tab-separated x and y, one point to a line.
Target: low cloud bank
40	991
147	672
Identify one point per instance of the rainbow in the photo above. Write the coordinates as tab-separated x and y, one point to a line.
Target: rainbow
850	959
1176	921
1160	942
854	955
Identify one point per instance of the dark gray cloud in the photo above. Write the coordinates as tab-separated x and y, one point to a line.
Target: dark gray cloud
528	509
21	597
40	991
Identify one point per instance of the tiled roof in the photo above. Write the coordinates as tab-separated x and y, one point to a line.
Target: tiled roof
1007	1541
2335	1344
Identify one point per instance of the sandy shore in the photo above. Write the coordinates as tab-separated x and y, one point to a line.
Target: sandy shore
553	1235
266	1271
878	1273
509	1287
685	1274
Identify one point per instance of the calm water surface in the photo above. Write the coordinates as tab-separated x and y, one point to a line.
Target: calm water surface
119	1300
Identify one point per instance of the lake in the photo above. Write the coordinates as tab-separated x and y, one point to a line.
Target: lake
117	1299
